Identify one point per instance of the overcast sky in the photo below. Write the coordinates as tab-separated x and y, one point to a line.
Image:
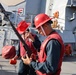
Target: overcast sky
11	2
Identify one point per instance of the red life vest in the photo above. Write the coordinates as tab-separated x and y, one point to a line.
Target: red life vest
42	55
31	46
22	50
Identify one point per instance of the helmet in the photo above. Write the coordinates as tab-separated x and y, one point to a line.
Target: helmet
41	19
22	26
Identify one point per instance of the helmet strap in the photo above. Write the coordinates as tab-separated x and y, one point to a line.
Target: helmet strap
43	31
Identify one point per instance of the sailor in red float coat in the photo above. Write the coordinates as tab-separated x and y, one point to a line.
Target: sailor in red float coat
51	50
42	55
33	42
33	55
24	69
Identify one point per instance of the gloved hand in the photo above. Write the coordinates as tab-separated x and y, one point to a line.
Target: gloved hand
13	61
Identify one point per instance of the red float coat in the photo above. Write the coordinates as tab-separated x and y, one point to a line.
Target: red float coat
42	55
31	46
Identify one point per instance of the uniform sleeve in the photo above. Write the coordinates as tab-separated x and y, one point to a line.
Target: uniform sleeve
37	43
18	51
53	54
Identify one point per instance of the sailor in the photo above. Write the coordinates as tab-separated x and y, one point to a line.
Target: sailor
32	42
51	50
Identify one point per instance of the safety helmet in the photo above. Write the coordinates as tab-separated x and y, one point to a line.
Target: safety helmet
41	19
22	27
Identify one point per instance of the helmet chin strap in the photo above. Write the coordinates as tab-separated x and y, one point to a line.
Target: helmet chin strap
43	31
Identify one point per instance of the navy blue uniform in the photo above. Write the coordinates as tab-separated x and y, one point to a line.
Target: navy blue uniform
53	49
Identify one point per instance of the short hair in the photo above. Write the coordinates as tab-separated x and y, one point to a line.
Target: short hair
28	30
50	22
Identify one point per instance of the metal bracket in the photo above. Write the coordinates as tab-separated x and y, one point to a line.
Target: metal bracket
71	19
